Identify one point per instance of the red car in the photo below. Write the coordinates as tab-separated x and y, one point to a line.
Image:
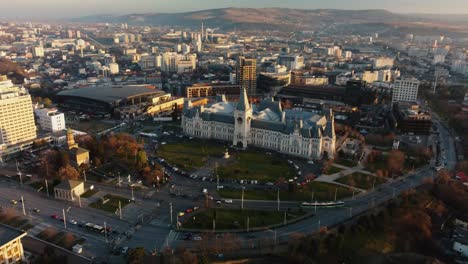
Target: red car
54	216
189	210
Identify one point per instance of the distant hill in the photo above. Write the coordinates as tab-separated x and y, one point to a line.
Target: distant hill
284	19
238	17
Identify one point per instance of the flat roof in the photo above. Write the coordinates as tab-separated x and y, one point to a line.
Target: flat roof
111	94
8	233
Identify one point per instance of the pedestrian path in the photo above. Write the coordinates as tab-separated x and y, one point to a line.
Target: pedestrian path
38	228
160	220
171	237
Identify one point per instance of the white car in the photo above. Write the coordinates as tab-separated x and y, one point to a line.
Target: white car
197	238
73	222
204	191
228	201
311	162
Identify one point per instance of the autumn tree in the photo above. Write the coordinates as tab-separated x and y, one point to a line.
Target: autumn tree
68	172
395	161
136	255
47	102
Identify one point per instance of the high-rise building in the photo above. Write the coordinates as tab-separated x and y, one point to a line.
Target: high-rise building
405	90
38	51
16	114
113	68
246	74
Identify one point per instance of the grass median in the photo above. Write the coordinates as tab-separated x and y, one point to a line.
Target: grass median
322	191
361	180
237	219
112	203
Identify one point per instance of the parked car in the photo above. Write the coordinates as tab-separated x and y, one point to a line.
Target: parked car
13	202
36	210
73	222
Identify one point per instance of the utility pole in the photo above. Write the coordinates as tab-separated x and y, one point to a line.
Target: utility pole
19	174
79	200
248	223
120	210
64	219
242	198
336	191
285	218
315	206
177	224
278	200
170	211
22	202
163	175
47	187
84	175
214	225
105	231
133	197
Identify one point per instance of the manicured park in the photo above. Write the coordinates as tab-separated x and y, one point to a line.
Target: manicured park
253	165
190	155
237	219
361	180
320	191
112	203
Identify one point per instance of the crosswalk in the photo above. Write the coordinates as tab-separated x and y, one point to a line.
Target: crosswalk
38	228
171	237
160	220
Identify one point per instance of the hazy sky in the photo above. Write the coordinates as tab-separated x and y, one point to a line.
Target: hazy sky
75	8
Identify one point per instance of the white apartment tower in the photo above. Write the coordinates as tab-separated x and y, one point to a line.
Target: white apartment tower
16	114
405	90
50	119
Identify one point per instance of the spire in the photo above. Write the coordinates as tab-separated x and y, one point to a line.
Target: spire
330	128
243	104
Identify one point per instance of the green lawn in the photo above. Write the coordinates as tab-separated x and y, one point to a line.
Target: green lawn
112	205
237	219
256	166
333	170
190	155
322	192
376	165
346	162
89	193
361	180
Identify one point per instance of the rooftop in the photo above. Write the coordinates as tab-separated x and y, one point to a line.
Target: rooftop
68	184
111	94
8	233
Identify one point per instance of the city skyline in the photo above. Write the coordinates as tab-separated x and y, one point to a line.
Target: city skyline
55	9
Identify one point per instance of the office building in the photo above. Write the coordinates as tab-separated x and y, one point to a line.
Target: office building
50	119
405	90
411	119
383	62
292	62
38	52
16	114
211	89
113	68
246	74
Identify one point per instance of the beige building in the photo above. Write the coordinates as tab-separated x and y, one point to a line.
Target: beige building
77	155
246	74
211	89
16	114
11	248
69	190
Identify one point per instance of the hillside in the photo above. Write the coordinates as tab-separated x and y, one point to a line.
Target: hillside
239	17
